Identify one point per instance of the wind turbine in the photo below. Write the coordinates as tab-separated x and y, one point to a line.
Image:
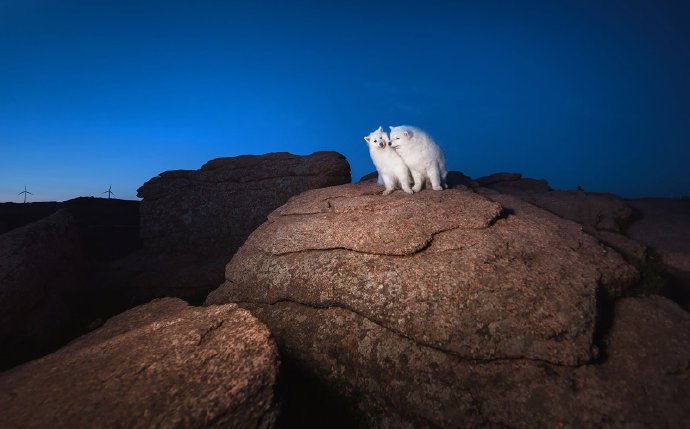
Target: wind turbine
25	192
109	191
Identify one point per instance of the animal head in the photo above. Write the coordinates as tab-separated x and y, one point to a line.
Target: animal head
378	138
399	135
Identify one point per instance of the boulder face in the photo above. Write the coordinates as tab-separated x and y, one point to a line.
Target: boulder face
162	364
211	211
41	267
452	270
192	222
405	299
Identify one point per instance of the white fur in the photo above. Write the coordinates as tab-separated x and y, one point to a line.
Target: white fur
391	168
422	155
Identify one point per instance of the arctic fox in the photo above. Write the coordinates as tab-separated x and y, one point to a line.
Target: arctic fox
391	168
422	156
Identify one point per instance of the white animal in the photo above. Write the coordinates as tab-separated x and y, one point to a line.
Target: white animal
422	156
391	168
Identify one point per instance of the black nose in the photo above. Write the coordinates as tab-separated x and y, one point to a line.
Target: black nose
390	143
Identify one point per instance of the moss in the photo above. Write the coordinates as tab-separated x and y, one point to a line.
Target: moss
652	278
623	223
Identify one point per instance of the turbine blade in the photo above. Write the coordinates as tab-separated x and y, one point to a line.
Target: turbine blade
29	193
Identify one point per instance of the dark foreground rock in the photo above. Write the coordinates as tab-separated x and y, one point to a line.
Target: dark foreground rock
664	225
108	228
194	221
456	308
163	364
642	381
41	269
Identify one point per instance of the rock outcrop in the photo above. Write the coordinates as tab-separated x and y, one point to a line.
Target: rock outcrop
192	222
163	364
664	225
41	268
437	308
211	211
108	228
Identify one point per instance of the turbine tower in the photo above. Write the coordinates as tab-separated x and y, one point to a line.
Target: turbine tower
25	192
109	191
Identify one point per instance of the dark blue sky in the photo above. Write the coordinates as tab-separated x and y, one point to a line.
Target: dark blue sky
590	93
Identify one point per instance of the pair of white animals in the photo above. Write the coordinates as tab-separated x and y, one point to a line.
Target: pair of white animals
407	158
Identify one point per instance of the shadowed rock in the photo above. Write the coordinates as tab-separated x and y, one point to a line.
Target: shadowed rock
211	211
664	225
496	178
521	187
400	383
192	222
41	267
163	364
108	228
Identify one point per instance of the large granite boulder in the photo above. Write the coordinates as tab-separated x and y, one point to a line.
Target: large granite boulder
163	364
41	268
192	222
450	276
211	211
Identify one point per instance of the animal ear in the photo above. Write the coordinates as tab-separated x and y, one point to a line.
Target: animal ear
391	127
407	133
367	139
380	129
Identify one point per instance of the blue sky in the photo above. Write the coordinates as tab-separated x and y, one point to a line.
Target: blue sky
591	93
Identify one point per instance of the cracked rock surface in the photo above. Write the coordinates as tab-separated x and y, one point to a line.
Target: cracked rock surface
643	382
451	270
163	364
454	308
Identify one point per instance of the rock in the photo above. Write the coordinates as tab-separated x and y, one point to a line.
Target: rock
664	225
602	211
194	221
496	178
162	364
456	179
211	211
41	267
442	268
373	176
623	244
401	299
108	228
401	383
521	187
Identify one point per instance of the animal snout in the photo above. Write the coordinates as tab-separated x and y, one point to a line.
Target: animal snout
390	143
382	144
